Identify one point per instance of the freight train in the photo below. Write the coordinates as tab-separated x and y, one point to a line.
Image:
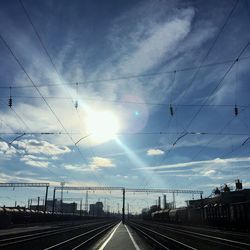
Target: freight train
236	215
10	217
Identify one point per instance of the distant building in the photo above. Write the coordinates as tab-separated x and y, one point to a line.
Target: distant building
96	209
65	207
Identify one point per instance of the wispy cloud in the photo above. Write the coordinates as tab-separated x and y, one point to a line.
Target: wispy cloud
77	167
153	152
6	149
197	164
33	146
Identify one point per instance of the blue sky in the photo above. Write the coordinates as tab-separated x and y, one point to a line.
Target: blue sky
132	59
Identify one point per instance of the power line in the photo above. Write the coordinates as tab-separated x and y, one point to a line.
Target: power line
44	47
26	125
39	38
131	102
217	86
211	46
212	139
130	134
211	93
75	103
128	77
47	104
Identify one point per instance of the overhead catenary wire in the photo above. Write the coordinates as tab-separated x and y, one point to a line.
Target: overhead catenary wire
44	48
45	101
210	94
160	104
27	126
89	99
196	73
211	47
213	138
118	78
131	133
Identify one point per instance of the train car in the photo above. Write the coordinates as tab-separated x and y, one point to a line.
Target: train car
178	215
235	215
4	218
240	214
195	216
161	215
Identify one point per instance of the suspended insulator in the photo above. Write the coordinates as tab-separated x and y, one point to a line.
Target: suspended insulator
171	110
76	104
236	111
10	102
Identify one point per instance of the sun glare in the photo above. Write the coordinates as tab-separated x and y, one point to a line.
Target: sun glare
103	126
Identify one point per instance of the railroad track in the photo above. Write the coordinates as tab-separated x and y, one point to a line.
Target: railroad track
165	237
57	238
81	240
231	235
159	240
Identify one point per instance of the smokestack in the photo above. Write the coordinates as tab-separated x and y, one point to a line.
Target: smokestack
159	202
164	201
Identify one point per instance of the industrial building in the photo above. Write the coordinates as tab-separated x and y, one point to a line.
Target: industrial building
59	207
96	209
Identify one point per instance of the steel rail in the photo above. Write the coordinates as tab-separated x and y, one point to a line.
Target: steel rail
93	237
151	238
60	244
204	236
161	235
34	236
205	229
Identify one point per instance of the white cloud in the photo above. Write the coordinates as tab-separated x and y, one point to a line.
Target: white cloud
101	162
40	164
162	39
209	172
35	161
32	157
76	167
6	149
17	177
153	152
33	146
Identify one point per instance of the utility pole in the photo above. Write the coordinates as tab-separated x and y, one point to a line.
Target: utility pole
128	210
54	200
123	205
46	199
62	185
38	203
173	199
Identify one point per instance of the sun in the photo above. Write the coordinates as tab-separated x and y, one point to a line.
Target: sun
102	126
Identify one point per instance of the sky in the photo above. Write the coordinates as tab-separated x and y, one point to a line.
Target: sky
92	82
